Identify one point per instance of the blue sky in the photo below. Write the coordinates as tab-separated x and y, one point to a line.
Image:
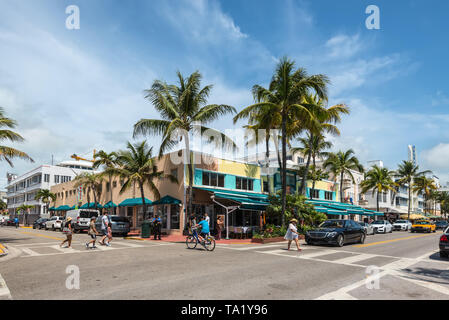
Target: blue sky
75	90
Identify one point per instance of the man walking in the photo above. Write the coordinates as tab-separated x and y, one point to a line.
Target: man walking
16	222
104	228
157	225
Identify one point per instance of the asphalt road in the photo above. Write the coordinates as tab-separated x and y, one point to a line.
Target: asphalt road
392	266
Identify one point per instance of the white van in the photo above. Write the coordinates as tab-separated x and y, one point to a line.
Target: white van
81	218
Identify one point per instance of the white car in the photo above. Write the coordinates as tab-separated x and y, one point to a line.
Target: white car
54	223
402	225
382	226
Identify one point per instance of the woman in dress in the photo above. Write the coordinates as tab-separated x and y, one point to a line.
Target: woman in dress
219	227
68	232
292	234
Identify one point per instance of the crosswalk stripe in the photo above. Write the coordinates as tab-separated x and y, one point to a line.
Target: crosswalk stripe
259	247
128	244
317	254
63	250
29	252
355	258
104	248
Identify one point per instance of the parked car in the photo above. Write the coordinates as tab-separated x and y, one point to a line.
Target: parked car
444	244
54	223
367	227
441	225
337	232
120	225
423	226
81	218
402	225
10	222
40	223
382	226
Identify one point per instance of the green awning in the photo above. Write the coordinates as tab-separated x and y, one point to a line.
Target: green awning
110	204
132	202
91	205
63	208
247	200
51	208
167	200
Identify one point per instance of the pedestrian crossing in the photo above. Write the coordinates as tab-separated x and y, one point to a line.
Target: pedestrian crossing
52	248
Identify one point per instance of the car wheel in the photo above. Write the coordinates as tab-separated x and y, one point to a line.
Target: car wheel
443	254
53	228
391	230
46	228
340	241
362	238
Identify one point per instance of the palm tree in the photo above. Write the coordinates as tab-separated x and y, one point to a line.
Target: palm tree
378	180
407	172
340	164
284	96
424	186
46	196
324	120
443	198
316	175
180	108
8	153
107	160
90	182
24	208
313	147
137	166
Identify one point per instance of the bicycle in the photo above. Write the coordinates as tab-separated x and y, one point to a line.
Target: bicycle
208	243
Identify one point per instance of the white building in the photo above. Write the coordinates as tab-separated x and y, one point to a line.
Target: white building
23	189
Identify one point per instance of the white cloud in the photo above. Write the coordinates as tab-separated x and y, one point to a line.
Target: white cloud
343	46
440	99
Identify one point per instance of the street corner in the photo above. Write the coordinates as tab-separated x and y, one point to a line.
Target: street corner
3	250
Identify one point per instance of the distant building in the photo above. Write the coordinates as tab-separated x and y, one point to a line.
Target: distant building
412	154
22	189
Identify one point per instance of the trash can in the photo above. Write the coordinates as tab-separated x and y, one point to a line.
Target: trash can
145	229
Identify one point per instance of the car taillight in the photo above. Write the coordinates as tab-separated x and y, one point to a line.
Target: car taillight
443	238
78	220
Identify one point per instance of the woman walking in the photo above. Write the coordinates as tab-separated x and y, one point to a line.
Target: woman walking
68	232
292	234
219	227
109	230
92	233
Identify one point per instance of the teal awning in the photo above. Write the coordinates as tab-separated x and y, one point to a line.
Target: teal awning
63	208
91	205
110	204
131	202
51	209
247	200
167	200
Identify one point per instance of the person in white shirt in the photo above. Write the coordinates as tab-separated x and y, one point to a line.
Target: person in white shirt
207	218
292	234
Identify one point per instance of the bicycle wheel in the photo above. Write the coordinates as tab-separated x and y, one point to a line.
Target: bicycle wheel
191	242
209	244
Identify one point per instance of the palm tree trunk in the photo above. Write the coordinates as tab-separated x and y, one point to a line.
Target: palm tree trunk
267	155
110	189
313	182
341	187
409	199
190	172
95	198
284	164
143	200
377	201
306	171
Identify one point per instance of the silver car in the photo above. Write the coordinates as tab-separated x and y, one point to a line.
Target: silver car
367	227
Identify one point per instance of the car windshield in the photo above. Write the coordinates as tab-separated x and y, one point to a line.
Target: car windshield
119	219
422	222
441	222
378	222
332	224
88	214
401	221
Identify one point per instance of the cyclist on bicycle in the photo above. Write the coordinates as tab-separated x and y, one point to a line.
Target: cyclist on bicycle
204	228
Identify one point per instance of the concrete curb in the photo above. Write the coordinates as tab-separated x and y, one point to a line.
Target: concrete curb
3	250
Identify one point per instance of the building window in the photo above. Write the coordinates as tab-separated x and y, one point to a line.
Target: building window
315	193
174	173
244	184
56	178
328	195
213	179
114	184
107	186
265	186
300	160
46	178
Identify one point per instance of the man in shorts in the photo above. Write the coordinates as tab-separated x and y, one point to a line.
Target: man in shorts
104	228
93	233
204	228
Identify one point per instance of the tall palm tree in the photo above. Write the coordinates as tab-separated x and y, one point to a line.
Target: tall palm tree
313	146
425	186
46	197
316	174
284	96
443	199
324	122
407	171
8	153
137	166
107	160
378	180
90	182
340	165
181	106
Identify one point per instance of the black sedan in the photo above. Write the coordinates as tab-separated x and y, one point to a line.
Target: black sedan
441	225
40	223
337	232
444	244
